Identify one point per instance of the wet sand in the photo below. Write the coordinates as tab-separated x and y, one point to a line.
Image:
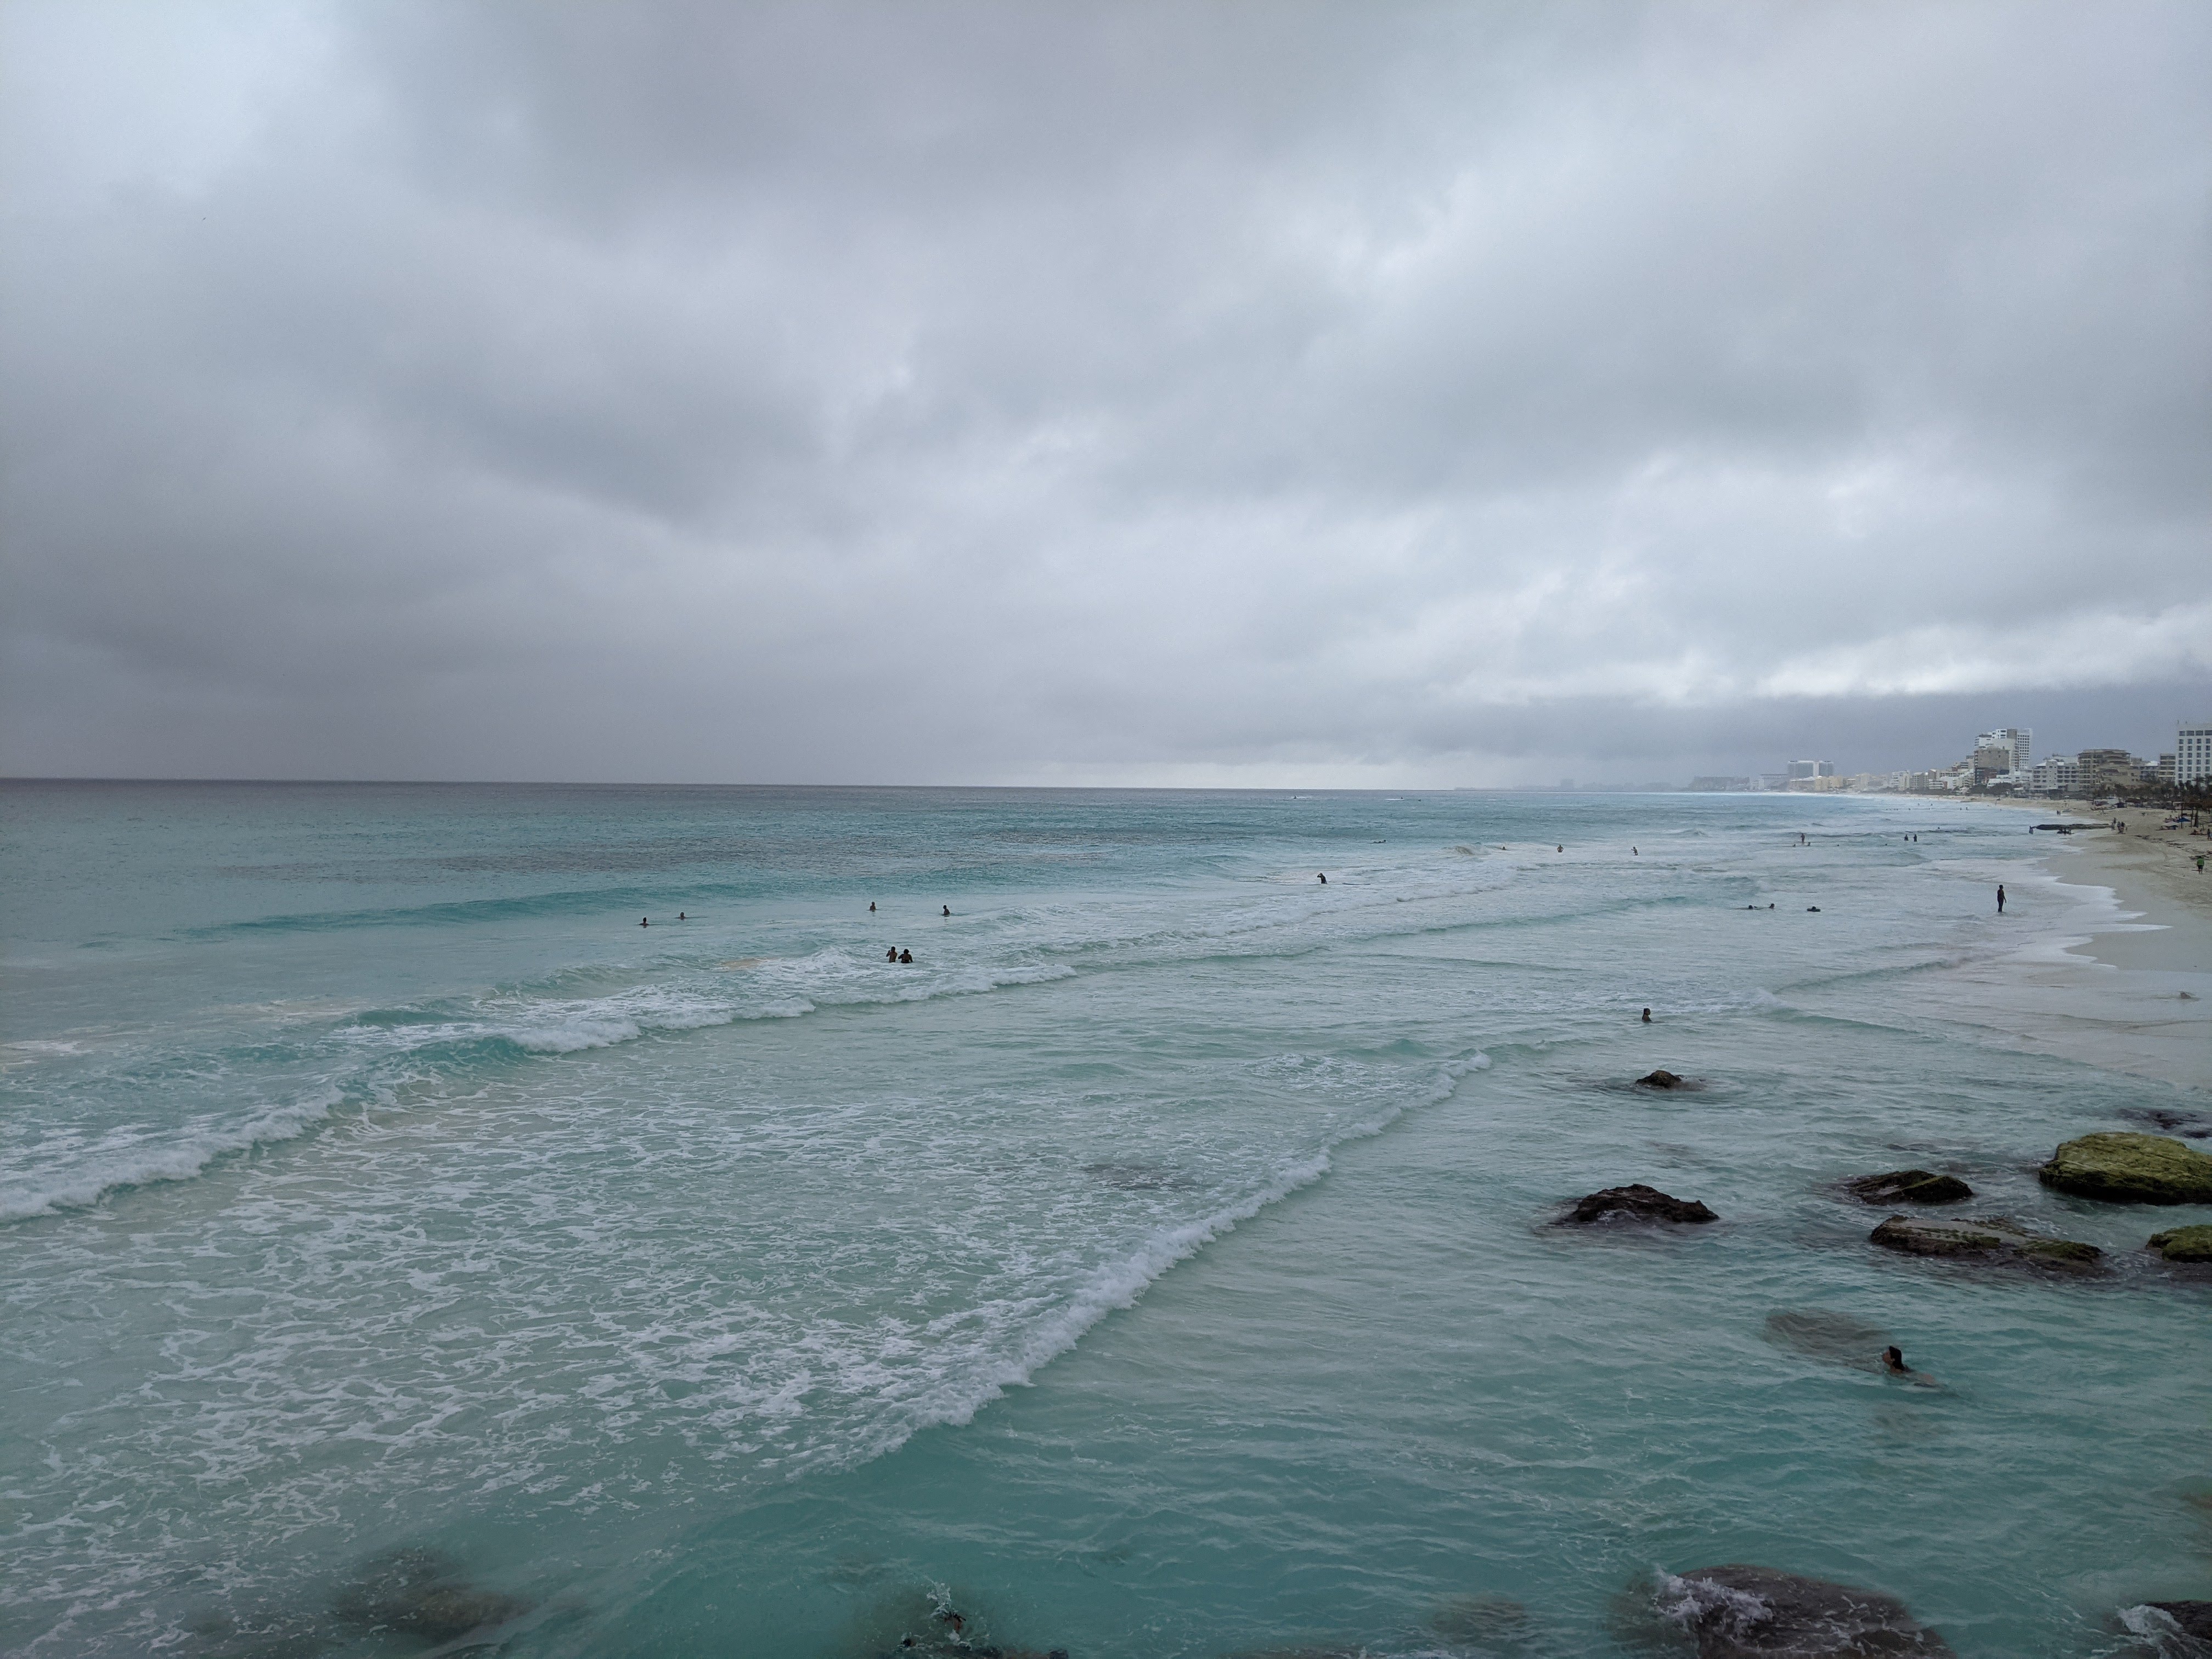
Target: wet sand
2127	982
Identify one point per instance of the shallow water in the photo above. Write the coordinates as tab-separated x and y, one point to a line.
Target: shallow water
1157	1265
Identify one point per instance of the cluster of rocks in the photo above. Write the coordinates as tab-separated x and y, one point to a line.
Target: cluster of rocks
2111	1168
1742	1612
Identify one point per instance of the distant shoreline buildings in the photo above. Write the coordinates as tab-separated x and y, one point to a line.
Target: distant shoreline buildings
2002	762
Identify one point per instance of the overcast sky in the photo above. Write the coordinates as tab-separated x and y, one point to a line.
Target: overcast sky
1122	393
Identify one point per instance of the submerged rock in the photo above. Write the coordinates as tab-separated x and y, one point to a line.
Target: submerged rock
2130	1169
421	1593
1821	1334
2183	1243
1981	1238
1739	1612
1635	1203
1469	1620
2190	1126
1908	1187
1661	1078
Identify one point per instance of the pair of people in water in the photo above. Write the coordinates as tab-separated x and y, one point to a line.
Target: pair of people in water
897	954
871	908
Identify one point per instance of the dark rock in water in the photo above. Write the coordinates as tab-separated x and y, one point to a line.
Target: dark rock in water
1661	1078
2195	1617
1755	1612
1636	1203
2183	1244
1825	1335
420	1592
2130	1169
1908	1187
2191	1125
1982	1238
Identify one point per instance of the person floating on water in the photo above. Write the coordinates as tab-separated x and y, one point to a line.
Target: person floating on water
1647	1016
1893	1361
680	916
1999	898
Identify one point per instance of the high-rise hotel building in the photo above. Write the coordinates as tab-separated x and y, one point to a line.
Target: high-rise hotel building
2193	752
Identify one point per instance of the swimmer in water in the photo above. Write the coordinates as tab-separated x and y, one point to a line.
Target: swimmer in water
891	955
1999	898
872	907
1893	1361
680	916
1322	879
645	922
948	909
1647	1016
1633	854
906	957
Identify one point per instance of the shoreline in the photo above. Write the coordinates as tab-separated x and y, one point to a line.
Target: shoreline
2124	979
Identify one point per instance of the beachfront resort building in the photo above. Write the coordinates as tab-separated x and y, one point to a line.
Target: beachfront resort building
2193	752
2017	741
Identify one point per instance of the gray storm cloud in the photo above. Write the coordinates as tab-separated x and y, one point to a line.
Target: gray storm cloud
1232	393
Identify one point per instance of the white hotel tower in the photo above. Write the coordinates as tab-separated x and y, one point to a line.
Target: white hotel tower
2192	751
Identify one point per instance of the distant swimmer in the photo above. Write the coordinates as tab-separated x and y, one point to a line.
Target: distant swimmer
1562	847
1811	910
1999	898
906	957
1647	1016
680	916
645	922
872	907
891	955
1322	879
948	909
1893	1361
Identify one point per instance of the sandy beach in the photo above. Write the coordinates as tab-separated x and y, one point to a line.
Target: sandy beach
2125	981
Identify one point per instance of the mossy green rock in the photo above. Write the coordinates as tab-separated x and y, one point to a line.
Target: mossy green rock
2130	1169
2184	1243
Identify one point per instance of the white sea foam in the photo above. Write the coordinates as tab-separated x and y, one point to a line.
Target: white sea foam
110	1167
1120	1283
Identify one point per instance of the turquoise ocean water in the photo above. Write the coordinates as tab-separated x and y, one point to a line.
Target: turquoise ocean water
1155	1266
